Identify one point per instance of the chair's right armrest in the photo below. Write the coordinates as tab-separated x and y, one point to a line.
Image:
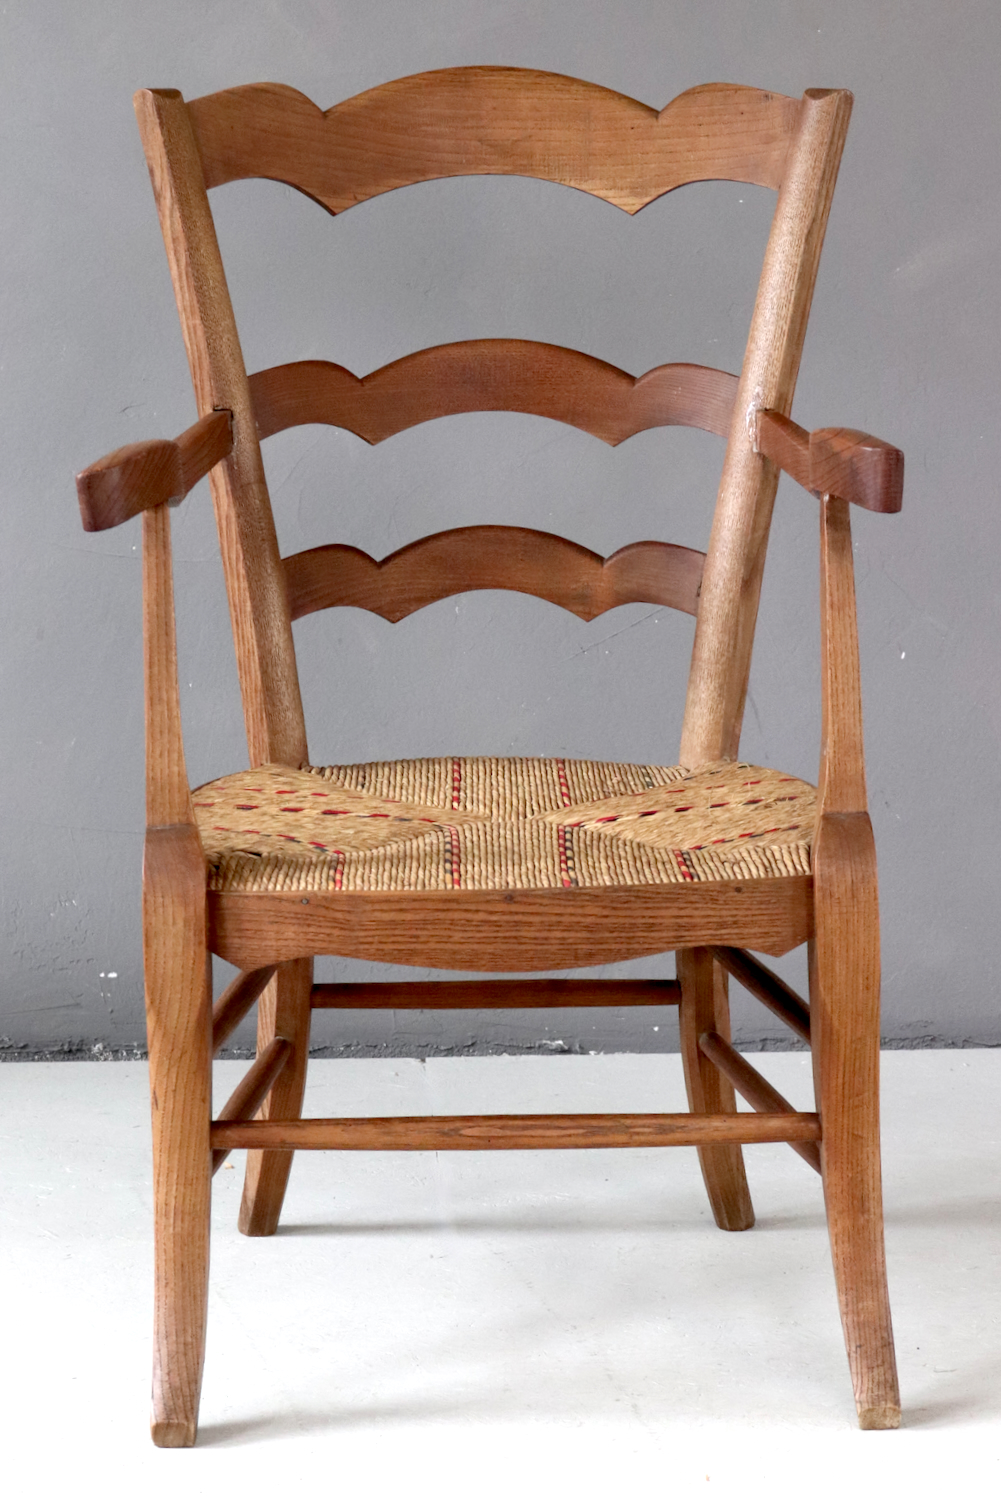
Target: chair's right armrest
834	461
142	476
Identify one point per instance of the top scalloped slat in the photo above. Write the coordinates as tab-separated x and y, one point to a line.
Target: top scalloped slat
460	122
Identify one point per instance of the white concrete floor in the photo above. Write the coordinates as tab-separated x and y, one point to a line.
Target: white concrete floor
494	1323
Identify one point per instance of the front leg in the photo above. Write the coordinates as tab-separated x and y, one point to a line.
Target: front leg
844	1025
179	1027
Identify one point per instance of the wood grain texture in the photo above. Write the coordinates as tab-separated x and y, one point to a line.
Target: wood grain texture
705	1007
509	931
284	1011
452	123
142	476
179	1034
858	467
262	629
484	120
234	1003
168	800
495	994
844	1009
128	481
785	444
203	445
519	375
253	1088
835	460
513	1132
731	586
493	557
766	987
841	783
751	1086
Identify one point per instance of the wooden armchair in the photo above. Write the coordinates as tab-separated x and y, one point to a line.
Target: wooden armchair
503	865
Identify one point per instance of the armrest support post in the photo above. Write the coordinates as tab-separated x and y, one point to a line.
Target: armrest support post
168	799
144	479
842	763
840	466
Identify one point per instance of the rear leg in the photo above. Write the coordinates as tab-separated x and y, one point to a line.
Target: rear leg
283	1010
705	1006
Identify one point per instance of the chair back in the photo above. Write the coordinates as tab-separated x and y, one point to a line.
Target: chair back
459	122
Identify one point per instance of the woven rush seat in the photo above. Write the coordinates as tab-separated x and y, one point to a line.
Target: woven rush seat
501	824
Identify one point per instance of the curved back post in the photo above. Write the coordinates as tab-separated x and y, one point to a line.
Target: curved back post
262	629
735	558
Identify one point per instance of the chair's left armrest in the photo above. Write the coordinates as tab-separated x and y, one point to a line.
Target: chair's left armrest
142	476
834	461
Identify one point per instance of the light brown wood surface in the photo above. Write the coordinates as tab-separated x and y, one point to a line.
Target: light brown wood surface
721	656
494	557
841	785
179	1036
459	121
128	481
509	931
704	1007
835	460
766	987
750	1085
521	122
142	476
262	630
284	1011
234	1003
513	1132
253	1087
495	994
543	380
844	1011
857	467
785	444
168	799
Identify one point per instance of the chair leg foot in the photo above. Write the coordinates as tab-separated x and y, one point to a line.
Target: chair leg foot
705	1007
174	1434
844	1007
181	1237
855	1225
283	1010
863	1297
264	1191
879	1418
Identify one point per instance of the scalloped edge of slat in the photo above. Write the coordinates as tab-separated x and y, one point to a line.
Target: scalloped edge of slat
523	375
471	558
487	120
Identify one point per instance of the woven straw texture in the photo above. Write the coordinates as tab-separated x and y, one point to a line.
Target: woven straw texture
490	824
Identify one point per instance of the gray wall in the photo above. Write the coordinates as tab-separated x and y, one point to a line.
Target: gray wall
904	342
